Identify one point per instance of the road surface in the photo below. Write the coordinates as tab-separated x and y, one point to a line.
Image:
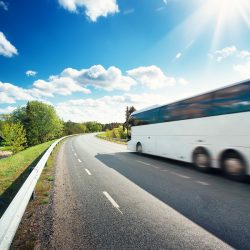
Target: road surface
106	197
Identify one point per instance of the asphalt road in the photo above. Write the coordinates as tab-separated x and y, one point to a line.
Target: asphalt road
108	198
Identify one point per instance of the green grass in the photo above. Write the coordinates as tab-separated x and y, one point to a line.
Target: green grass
5	148
12	167
103	137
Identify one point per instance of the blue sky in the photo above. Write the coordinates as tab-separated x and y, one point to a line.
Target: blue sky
90	59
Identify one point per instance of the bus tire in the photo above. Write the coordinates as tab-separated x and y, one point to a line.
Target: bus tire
139	148
202	160
233	166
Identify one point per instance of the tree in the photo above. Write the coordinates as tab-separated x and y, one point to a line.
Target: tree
42	123
93	126
14	135
128	112
20	114
71	128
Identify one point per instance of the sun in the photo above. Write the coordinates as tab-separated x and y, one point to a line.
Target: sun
225	14
223	5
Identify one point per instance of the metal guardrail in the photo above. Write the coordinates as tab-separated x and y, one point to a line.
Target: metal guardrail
10	220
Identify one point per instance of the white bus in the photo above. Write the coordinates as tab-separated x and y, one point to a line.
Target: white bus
210	130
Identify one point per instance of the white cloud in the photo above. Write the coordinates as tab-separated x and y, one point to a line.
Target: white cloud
183	81
244	54
4	98
10	93
105	109
3	5
6	48
219	55
128	11
151	77
178	56
243	70
58	85
100	78
7	110
71	81
160	8
165	2
30	73
226	52
93	8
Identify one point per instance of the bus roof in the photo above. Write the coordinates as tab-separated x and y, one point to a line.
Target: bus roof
158	106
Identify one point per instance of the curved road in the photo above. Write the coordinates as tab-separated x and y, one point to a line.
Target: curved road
108	198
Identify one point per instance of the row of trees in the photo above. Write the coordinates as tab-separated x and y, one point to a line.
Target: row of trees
32	124
38	122
78	128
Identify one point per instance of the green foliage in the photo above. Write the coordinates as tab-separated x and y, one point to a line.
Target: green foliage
93	127
118	133
71	128
14	135
111	125
42	123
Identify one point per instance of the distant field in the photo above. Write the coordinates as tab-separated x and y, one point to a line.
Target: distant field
15	169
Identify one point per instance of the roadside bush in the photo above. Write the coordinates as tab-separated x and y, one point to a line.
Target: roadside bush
14	135
118	133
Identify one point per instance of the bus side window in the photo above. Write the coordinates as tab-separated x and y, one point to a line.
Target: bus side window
232	99
200	106
163	115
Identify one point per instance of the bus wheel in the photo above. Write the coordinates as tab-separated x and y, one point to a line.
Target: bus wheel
234	166
139	148
201	160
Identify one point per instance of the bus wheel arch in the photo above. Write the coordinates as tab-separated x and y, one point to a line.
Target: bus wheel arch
138	147
202	159
233	164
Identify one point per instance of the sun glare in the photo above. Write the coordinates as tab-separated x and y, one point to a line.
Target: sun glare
226	14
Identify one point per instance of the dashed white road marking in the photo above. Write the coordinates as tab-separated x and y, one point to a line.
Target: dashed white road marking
153	166
79	160
165	170
203	183
145	163
112	201
74	154
88	172
180	175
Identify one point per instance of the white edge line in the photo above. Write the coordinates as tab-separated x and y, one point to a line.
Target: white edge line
88	172
112	201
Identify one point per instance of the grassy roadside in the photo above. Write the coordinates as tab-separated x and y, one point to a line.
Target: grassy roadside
103	137
28	232
15	169
5	148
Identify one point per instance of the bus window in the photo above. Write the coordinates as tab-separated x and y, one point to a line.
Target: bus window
163	115
196	107
232	100
200	106
146	117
